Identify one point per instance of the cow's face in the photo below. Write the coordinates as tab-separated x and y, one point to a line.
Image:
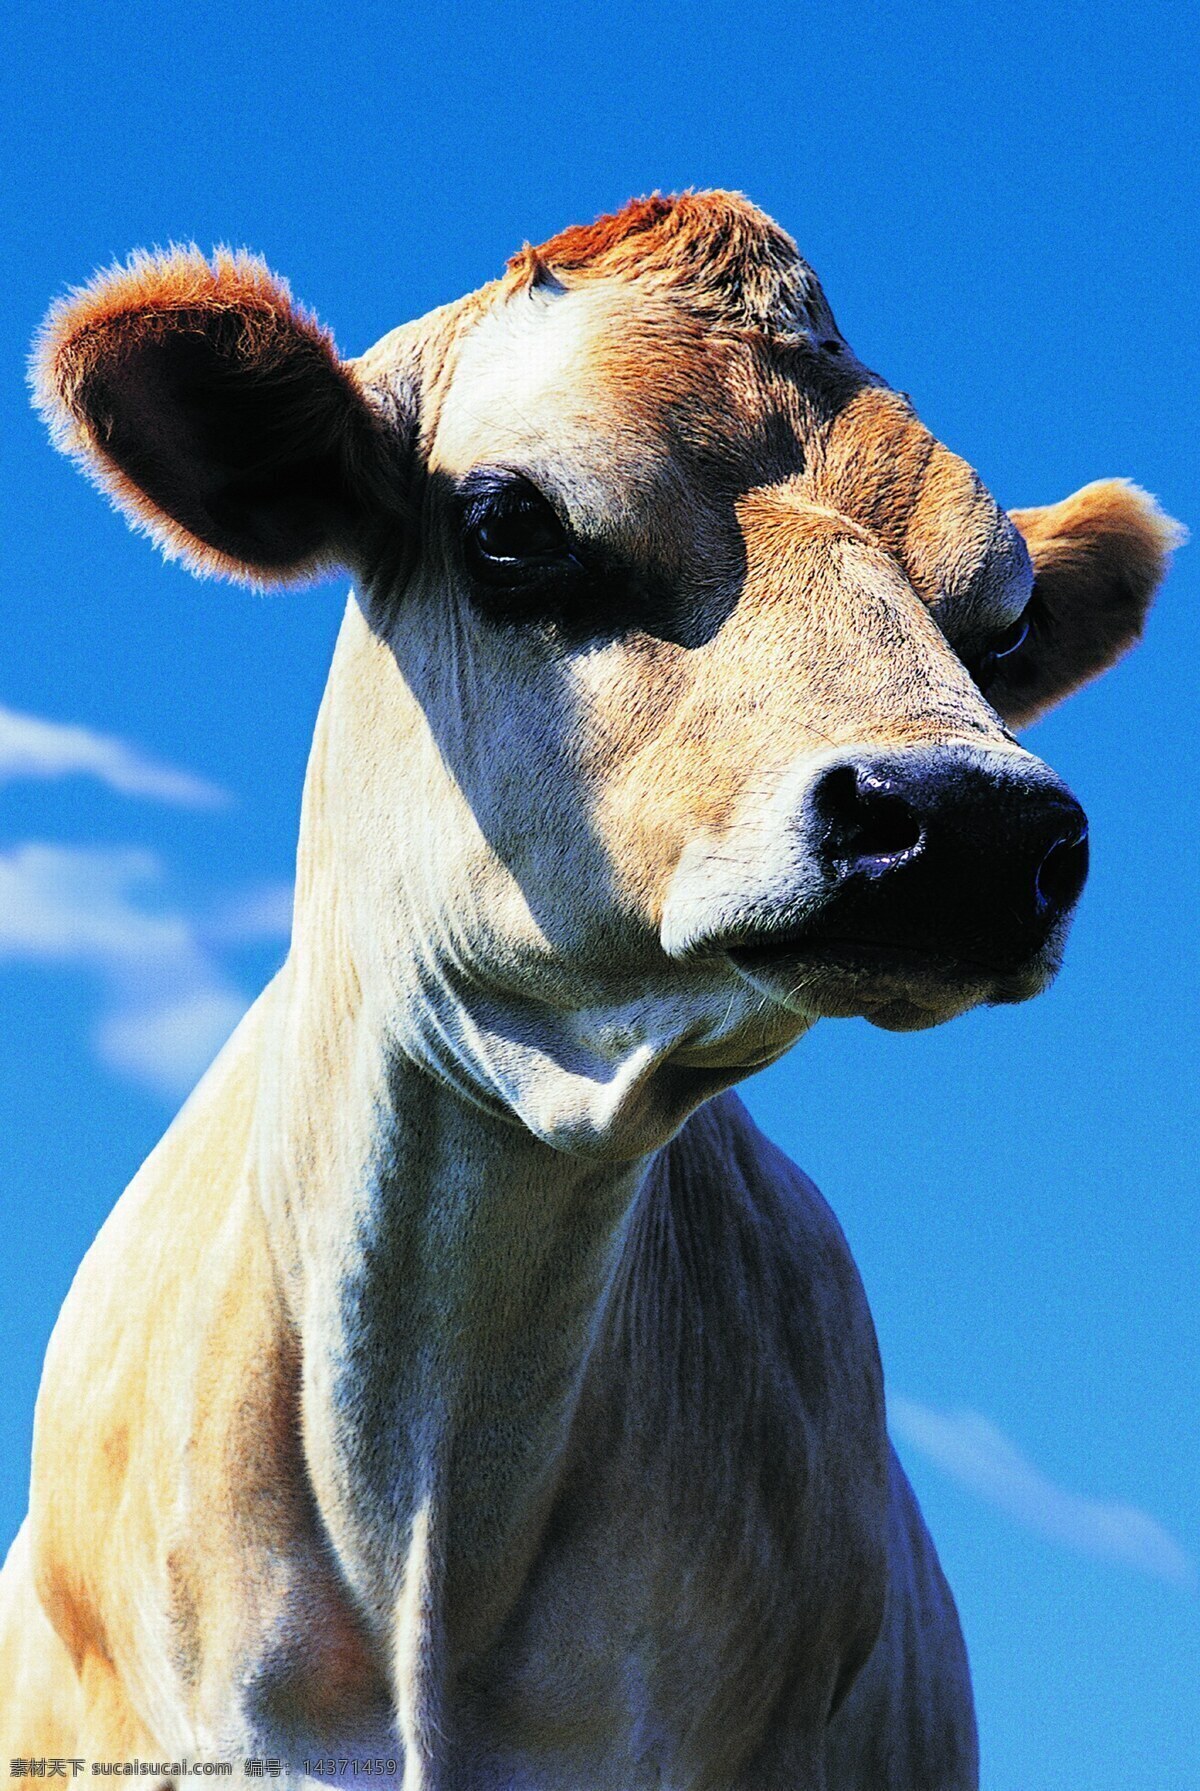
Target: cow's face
671	716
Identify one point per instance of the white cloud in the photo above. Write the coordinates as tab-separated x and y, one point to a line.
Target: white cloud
33	748
170	1045
169	1004
261	913
80	905
973	1451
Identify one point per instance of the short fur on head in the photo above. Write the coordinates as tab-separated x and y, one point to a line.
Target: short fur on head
218	416
212	409
715	252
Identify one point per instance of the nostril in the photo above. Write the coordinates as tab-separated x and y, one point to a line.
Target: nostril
1060	876
886	827
870	824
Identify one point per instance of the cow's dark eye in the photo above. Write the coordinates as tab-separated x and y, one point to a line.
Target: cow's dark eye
983	666
512	536
1014	636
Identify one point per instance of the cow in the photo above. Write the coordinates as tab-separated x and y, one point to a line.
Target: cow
464	1382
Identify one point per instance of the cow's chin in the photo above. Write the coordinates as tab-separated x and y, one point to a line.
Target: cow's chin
893	989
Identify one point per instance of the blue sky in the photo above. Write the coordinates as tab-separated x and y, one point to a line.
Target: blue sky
1001	205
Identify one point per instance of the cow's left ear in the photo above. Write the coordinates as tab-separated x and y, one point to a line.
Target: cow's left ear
216	413
1098	558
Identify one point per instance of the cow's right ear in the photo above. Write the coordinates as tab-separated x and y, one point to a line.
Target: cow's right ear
216	413
1098	557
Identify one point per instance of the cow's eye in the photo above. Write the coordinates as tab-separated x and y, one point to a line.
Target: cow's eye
512	535
983	666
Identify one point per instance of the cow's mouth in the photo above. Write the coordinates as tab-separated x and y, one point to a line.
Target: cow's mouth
895	986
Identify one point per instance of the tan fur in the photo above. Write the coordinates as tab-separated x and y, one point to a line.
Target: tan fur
463	1377
1098	558
712	251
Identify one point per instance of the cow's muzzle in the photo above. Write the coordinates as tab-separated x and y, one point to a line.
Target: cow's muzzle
928	879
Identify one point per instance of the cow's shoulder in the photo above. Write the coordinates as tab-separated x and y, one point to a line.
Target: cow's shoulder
722	1518
755	1242
737	1378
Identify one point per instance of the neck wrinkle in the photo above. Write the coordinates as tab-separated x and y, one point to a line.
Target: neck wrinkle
448	1275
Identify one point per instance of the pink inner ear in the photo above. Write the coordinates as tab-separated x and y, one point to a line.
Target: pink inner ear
216	413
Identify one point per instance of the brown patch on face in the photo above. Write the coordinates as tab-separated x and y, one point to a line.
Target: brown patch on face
716	251
924	505
835	617
827	647
584	245
874	461
688	409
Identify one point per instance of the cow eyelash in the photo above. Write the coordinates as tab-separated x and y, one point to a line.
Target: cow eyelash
514	542
1003	646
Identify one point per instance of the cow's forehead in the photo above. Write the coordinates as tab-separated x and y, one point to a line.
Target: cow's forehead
717	254
532	382
661	363
657	321
643	422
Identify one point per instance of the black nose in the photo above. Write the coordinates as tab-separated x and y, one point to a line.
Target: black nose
949	850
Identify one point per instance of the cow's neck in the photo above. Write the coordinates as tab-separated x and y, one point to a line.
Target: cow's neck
446	1266
447	1273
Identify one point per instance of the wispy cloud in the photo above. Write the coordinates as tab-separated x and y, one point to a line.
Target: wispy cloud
169	1044
169	1004
31	747
261	913
976	1453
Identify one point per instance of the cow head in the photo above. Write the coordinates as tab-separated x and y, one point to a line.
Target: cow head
673	709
